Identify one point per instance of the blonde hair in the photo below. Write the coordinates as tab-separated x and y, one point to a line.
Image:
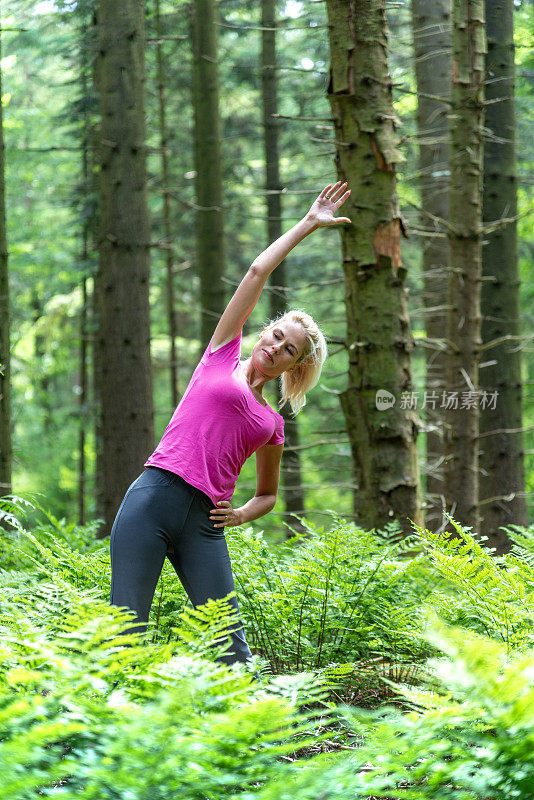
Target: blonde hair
297	381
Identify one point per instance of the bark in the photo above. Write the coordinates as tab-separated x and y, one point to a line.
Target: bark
431	22
96	351
124	333
169	251
502	469
379	339
5	391
82	476
208	166
86	69
465	243
292	490
41	368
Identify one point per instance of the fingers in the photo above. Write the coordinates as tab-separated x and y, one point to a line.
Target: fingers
342	199
338	192
335	193
223	513
337	220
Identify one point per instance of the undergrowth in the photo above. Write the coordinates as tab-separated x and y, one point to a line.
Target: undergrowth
389	669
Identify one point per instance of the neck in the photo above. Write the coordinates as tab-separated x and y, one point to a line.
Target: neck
255	378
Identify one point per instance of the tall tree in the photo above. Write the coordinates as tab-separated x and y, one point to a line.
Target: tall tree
167	227
379	340
431	22
465	267
291	471
502	469
86	103
124	333
208	165
5	391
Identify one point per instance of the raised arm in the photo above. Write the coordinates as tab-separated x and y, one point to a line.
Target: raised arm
248	292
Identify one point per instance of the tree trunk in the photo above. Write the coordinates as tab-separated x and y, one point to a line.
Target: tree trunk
465	242
124	334
169	251
5	390
86	41
291	471
502	469
379	341
82	471
208	166
94	314
431	21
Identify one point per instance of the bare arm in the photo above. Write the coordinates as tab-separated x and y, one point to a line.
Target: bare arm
268	460
249	290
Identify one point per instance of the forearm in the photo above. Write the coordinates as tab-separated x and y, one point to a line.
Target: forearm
267	261
257	507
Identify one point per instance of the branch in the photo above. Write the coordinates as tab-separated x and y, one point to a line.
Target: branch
504	430
161	39
315	444
304	119
506	497
443	345
500	223
437	97
506	338
428	234
277	29
302	69
433	217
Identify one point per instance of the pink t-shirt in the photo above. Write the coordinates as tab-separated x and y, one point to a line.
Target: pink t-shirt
217	425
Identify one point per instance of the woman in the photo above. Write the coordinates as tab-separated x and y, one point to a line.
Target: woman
180	504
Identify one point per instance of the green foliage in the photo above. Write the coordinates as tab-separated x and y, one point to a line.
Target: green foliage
341	596
176	723
471	740
487	594
89	710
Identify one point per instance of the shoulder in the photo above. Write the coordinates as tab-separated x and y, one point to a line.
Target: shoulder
229	350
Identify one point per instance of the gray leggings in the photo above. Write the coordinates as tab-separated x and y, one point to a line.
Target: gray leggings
163	515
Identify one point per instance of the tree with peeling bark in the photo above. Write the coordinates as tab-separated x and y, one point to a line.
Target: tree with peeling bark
465	264
208	166
292	490
501	452
382	431
123	282
5	390
431	24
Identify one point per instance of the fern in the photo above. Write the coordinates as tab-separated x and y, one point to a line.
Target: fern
339	596
491	595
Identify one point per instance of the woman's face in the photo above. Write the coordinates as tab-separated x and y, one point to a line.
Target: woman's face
279	348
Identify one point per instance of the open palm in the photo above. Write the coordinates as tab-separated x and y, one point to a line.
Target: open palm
331	198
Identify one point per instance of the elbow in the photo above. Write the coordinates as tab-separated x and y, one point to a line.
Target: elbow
256	271
272	501
268	501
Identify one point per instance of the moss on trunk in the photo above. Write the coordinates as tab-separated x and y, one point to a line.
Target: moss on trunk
379	339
